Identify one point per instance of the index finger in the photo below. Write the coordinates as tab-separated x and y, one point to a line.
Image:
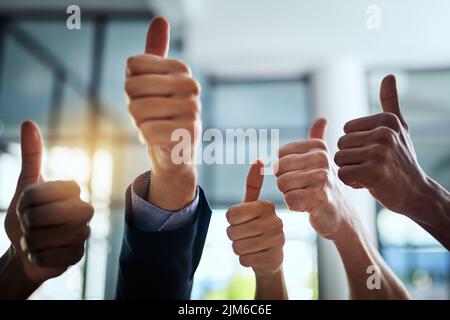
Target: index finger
247	211
46	192
371	122
300	147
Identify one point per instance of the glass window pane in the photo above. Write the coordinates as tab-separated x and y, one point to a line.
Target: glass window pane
232	281
258	105
253	105
25	88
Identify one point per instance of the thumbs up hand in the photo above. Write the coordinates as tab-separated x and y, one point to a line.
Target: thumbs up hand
255	230
46	221
163	97
377	153
309	184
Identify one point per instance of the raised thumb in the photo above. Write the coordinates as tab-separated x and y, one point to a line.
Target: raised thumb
318	129
158	37
254	181
31	146
389	97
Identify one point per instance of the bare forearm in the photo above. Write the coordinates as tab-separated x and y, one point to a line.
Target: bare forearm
431	210
14	285
271	287
368	275
172	192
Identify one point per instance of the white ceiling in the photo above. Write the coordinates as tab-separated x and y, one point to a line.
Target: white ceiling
254	36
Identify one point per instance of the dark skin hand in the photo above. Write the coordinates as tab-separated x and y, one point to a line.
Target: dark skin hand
47	224
377	153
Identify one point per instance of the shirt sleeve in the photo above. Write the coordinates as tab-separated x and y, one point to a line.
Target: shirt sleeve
150	218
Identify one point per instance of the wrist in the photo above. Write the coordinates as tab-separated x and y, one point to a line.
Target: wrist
268	274
14	277
270	285
172	191
429	197
349	231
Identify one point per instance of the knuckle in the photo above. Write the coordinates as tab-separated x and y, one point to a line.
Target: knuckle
30	217
281	183
192	106
180	66
320	195
132	107
79	253
30	194
230	233
130	86
132	63
89	210
72	185
292	203
386	134
342	174
193	86
323	176
378	151
85	233
231	212
244	261
39	258
379	170
320	144
279	257
322	159
391	120
74	255
338	157
236	247
268	205
348	125
31	242
341	142
282	239
278	223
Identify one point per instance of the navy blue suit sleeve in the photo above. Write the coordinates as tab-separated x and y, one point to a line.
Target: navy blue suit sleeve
161	265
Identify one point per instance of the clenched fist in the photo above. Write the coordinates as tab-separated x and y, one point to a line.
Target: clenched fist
255	229
309	184
163	97
377	153
46	221
258	237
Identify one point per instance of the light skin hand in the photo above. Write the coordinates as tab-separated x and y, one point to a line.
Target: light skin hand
309	183
164	97
377	153
258	238
46	223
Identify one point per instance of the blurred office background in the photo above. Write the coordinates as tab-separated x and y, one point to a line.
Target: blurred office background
262	64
